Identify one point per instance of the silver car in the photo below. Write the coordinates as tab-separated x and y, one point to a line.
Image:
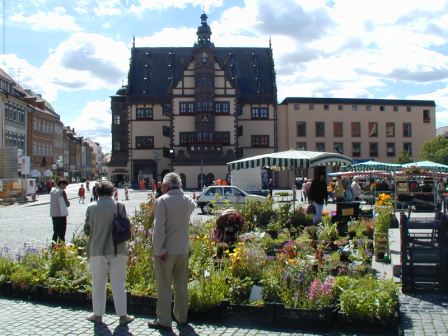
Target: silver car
223	194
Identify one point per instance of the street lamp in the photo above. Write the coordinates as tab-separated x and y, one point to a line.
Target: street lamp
171	158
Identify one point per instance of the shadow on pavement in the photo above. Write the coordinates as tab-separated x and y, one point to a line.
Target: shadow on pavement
187	330
101	329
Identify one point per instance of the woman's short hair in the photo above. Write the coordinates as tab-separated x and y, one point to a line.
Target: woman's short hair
61	182
104	188
172	180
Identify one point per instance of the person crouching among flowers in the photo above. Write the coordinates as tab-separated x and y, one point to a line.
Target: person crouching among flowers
228	226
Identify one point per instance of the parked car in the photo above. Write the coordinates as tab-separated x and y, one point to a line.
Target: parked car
223	194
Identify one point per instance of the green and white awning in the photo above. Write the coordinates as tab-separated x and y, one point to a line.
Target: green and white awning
290	159
373	166
428	165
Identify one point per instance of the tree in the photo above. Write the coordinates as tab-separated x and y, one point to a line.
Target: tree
435	150
404	157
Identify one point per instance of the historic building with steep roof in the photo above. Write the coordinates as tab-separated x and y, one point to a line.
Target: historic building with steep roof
192	110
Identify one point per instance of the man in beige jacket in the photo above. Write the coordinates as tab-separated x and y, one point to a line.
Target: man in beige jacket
170	242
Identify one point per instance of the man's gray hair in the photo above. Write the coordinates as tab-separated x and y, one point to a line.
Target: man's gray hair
172	180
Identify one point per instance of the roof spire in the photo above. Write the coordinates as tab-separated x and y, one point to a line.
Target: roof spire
133	41
204	32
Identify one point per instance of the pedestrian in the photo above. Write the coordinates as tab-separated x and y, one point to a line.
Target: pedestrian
126	193
159	189
170	242
356	188
142	185
270	186
305	189
103	259
88	185
94	192
294	191
81	194
318	195
154	187
116	194
59	210
339	190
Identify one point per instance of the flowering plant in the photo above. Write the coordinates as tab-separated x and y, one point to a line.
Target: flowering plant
321	294
384	199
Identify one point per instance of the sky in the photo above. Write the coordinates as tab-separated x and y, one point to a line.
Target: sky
75	53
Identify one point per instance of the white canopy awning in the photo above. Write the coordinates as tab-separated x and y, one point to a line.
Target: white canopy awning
35	173
290	159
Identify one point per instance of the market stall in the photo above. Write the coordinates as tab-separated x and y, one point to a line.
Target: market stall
246	173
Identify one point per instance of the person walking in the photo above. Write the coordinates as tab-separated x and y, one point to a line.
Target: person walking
104	261
116	194
339	190
81	194
305	189
170	242
318	195
270	186
59	210
356	188
126	193
94	192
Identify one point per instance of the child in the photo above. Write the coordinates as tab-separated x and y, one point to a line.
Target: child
81	194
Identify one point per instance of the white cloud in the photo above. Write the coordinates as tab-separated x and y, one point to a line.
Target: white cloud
57	19
94	122
139	6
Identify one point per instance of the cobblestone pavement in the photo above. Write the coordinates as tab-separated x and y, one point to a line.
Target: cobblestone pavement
20	318
425	314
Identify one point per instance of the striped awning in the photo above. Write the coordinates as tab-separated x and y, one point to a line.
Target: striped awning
373	166
428	165
290	159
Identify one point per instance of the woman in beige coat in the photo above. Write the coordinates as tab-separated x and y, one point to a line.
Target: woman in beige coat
103	260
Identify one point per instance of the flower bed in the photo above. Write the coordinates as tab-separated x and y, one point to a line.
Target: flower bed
304	272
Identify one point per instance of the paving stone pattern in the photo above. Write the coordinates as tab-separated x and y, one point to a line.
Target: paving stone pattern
425	314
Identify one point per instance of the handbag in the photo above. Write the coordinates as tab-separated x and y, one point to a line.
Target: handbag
310	209
121	229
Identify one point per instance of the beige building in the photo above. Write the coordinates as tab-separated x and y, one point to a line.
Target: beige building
192	110
363	129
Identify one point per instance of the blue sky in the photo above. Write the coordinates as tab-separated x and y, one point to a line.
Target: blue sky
76	53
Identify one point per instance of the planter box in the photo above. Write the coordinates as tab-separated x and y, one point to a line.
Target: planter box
248	314
386	327
142	304
213	314
319	319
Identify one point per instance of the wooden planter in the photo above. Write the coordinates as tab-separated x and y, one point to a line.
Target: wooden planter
381	245
363	326
248	314
316	319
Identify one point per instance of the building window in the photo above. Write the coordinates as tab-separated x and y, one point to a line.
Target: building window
340	107
116	119
260	140
301	129
354	107
296	106
320	146
186	138
390	130
407	147
426	116
326	107
301	146
339	147
144	142
408	109
166	131
240	130
320	129
259	113
338	129
311	107
186	108
395	108
407	130
382	108
373	149
369	108
166	110
222	107
390	149
373	129
34	124
117	145
356	129
356	149
222	138
144	114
